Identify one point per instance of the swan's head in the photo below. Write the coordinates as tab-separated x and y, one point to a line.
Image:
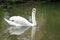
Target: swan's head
34	10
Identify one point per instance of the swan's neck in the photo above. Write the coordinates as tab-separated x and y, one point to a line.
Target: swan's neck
33	18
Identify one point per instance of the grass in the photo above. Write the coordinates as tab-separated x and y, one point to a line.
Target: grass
48	19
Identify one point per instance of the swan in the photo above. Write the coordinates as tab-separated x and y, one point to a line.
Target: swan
18	22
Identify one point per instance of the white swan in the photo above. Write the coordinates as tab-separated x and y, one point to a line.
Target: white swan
20	22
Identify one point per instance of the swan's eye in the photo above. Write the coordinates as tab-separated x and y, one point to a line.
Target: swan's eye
33	10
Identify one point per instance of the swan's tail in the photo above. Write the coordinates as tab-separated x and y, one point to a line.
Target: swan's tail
11	23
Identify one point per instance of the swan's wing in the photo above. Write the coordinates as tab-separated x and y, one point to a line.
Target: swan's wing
12	23
20	20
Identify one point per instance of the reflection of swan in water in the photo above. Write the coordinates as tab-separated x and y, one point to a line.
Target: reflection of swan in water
19	23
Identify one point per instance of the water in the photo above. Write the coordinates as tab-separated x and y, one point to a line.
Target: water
48	20
24	11
13	30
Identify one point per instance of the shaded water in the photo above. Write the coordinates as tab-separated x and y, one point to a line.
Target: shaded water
48	20
19	11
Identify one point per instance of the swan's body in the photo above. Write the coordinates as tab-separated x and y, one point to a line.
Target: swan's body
22	21
19	21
